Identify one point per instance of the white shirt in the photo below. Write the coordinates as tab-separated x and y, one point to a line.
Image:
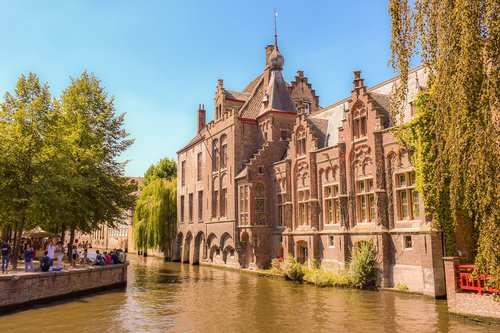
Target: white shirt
50	251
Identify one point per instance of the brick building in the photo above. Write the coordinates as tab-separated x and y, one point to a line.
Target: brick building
274	174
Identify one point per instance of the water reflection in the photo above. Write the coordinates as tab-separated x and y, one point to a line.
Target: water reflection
168	297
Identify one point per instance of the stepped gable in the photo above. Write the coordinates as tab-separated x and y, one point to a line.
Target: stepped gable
300	88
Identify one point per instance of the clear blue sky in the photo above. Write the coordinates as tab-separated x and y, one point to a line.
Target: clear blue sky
161	58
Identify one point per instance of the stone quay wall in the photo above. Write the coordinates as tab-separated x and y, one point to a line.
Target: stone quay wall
23	290
468	304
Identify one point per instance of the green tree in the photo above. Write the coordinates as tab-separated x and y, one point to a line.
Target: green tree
27	136
155	216
92	187
455	137
166	168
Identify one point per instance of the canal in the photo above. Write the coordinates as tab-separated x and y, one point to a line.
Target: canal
171	297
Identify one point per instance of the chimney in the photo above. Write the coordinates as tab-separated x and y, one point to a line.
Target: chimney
269	50
201	117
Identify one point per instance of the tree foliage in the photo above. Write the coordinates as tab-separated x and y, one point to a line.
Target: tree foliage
155	216
455	137
27	123
166	168
58	159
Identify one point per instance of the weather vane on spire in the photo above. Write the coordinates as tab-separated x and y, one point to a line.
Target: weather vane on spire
275	33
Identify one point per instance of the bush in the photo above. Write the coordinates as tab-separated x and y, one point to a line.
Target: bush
363	266
321	278
293	269
402	287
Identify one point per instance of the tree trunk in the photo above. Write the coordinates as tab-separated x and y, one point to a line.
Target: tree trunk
63	234
17	240
70	245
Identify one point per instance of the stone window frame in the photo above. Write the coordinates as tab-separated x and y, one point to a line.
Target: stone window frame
190	207
200	206
405	185
304	206
280	201
300	141
199	165
244	203
359	121
331	241
331	199
365	197
181	215
223	152
407	242
215	197
215	155
223	197
183	173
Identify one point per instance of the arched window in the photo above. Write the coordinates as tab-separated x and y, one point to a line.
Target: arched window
215	197
301	141
223	151
223	196
359	121
215	155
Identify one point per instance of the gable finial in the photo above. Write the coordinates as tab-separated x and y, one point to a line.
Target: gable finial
275	31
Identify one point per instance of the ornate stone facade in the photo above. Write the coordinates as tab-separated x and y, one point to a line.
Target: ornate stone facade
274	175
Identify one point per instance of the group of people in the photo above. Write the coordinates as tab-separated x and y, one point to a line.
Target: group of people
112	258
53	250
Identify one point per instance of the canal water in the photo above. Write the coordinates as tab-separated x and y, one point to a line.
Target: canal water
172	297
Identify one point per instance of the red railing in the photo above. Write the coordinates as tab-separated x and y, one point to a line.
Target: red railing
466	281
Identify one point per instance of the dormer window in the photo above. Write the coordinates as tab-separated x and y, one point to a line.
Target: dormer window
359	121
301	141
307	108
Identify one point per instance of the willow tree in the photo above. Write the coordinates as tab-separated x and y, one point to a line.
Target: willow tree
455	136
155	216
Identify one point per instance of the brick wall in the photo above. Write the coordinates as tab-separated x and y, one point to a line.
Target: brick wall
468	304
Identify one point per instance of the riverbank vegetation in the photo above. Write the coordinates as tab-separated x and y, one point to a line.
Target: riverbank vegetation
155	216
58	159
453	139
360	273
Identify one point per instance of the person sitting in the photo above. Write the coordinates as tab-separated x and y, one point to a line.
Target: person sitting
114	257
45	262
121	256
108	258
100	260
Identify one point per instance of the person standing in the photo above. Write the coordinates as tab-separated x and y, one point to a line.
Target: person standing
6	250
60	254
28	259
51	249
74	256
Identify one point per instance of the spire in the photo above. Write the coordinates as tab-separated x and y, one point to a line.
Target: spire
275	31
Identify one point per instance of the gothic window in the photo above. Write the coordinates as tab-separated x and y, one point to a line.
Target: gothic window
260	203
304	207
183	173
198	167
301	141
215	155
200	206
243	204
407	197
182	209
215	198
332	204
359	121
223	197
365	200
280	201
190	214
223	151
